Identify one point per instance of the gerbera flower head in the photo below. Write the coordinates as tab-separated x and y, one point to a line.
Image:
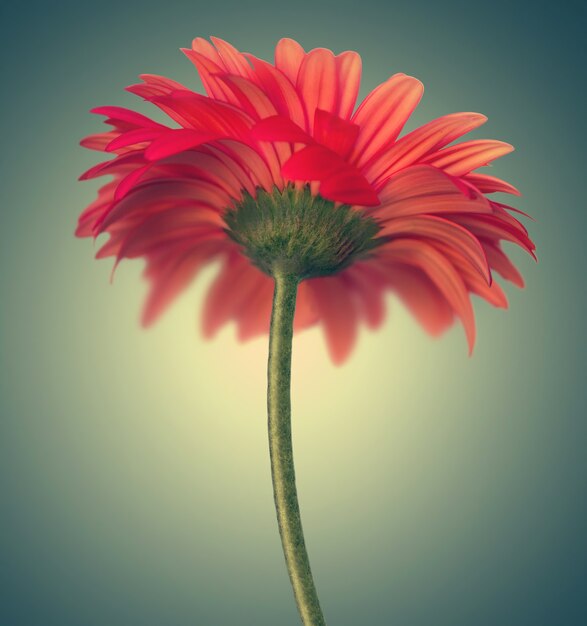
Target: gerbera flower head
276	168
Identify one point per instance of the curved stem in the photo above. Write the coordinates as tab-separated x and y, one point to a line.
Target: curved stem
280	448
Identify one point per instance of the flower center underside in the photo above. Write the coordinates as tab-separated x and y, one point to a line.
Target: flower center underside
296	233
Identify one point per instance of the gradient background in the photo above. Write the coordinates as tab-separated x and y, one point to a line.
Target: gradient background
435	489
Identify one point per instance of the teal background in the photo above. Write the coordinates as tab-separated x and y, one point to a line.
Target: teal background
435	488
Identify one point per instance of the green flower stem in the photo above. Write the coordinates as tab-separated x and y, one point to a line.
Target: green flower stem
281	451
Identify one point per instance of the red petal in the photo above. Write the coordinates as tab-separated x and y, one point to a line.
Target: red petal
422	298
349	187
198	112
209	72
348	69
443	230
117	165
499	261
154	85
234	61
335	133
467	156
491	184
254	314
421	141
492	227
173	226
234	285
280	128
278	87
288	58
383	114
317	83
369	289
126	115
172	277
490	291
441	272
312	163
158	195
129	181
99	141
250	97
250	161
177	140
132	137
338	315
339	181
424	189
306	314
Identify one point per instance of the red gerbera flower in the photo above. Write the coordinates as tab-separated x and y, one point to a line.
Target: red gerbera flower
292	127
302	197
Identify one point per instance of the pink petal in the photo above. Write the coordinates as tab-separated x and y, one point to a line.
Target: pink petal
175	277
312	163
445	231
126	115
129	181
493	228
424	189
349	187
467	156
306	314
234	285
118	165
206	166
369	289
499	261
442	273
280	128
491	184
257	105
348	70
243	174
207	50
421	141
234	61
254	314
317	82
383	114
489	290
171	226
507	207
195	111
335	133
338	315
422	298
209	75
338	181
132	137
154	85
502	211
86	221
250	97
251	161
279	89
159	195
99	141
177	140
288	58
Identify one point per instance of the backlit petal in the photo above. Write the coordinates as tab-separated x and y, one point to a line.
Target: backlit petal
382	115
288	58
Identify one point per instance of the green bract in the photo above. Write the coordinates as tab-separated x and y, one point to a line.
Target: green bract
298	234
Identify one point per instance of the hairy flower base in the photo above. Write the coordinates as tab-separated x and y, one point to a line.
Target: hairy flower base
299	234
